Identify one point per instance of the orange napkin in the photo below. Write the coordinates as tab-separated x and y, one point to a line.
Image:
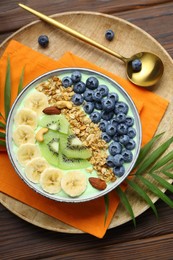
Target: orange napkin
88	216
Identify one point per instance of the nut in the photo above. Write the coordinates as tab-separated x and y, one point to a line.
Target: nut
97	183
64	104
52	110
40	134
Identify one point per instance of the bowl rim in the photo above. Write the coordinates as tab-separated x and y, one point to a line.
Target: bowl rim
44	77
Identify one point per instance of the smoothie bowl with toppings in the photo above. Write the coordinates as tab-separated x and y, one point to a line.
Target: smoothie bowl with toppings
73	135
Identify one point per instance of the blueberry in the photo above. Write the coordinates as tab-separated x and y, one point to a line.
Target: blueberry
121	117
98	105
106	137
121	107
110	161
108	104
116	137
89	107
131	132
131	145
77	99
129	121
114	122
124	139
118	160
103	90
114	96
127	155
88	95
107	116
92	83
136	65
115	148
111	129
97	96
103	125
76	76
109	35
95	117
79	87
67	82
119	171
122	129
43	40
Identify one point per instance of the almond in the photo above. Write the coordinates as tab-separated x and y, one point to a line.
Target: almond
97	183
52	110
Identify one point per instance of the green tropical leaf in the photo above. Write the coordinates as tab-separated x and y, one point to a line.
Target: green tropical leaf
2	125
20	86
163	161
2	135
153	157
156	191
126	203
168	167
142	194
146	148
168	174
2	143
162	181
7	90
106	200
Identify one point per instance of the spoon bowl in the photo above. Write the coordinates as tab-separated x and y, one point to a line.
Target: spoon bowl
151	71
152	66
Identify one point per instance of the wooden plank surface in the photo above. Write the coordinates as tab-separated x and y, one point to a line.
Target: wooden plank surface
151	239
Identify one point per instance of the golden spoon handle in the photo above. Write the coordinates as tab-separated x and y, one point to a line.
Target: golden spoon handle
72	32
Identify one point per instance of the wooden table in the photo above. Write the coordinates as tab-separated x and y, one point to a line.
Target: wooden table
152	239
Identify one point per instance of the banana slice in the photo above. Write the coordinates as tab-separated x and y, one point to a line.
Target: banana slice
74	183
36	101
27	152
26	116
50	180
23	134
34	168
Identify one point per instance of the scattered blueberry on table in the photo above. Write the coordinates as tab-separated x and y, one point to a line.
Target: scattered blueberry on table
109	35
110	113
43	41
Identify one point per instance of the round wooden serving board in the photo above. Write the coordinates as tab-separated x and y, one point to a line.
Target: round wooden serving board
128	40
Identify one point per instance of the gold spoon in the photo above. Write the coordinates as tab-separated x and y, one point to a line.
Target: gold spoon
152	67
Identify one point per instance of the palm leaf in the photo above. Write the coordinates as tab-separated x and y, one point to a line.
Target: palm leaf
146	148
163	161
126	203
2	135
168	174
2	125
142	194
20	86
106	200
7	90
168	167
152	158
156	191
2	143
162	181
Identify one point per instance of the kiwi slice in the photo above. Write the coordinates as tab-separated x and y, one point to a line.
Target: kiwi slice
66	163
72	147
55	122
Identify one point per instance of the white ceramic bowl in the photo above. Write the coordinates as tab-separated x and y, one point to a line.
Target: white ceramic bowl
90	192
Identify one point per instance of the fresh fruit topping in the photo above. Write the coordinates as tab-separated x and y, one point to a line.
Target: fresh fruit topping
50	180
106	137
55	122
34	168
40	134
131	132
76	76
122	129
107	116
26	116
109	35
67	82
124	139
118	160
95	117
136	65
88	95
36	101
98	105
108	104
111	129
92	83
120	117
131	145
97	183
97	96
66	163
103	125
114	96
43	41
79	87
52	110
110	161
121	107
74	183
103	89
127	155
119	171
115	148
77	99
23	134
129	121
88	107
26	152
